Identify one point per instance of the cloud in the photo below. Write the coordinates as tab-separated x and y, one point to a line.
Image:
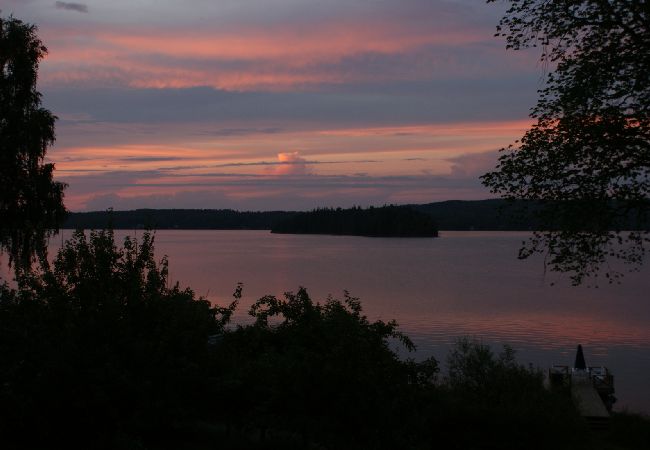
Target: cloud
473	165
291	163
70	6
175	100
242	131
151	159
288	163
284	159
18	2
295	188
390	104
303	194
265	62
369	42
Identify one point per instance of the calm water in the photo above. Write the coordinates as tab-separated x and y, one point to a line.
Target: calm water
463	283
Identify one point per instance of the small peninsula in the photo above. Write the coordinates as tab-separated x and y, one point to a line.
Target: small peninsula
385	221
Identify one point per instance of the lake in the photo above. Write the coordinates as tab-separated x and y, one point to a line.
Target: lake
462	283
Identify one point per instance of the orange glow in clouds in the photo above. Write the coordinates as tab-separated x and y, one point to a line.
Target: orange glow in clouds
303	45
269	59
313	148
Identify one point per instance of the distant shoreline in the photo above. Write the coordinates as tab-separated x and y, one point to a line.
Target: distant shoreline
452	215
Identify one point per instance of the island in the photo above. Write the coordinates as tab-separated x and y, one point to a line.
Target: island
385	221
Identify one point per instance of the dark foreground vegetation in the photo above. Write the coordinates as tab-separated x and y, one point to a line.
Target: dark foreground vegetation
100	351
386	221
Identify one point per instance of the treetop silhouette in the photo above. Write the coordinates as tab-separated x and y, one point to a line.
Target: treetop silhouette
31	202
587	158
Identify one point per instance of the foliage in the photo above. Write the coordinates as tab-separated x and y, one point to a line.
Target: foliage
31	203
99	351
322	372
325	375
101	347
503	404
393	221
587	158
627	430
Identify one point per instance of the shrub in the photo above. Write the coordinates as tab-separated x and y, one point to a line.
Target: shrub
101	346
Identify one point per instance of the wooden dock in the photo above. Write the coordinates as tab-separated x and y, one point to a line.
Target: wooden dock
592	389
587	399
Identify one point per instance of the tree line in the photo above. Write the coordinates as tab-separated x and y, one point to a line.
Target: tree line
183	219
461	215
385	221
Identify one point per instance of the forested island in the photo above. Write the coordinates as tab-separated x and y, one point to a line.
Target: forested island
386	221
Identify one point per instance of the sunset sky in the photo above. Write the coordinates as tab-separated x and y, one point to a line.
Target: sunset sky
277	104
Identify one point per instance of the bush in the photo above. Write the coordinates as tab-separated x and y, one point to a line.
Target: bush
320	372
491	401
101	346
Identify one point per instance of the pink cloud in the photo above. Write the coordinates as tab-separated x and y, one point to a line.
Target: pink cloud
270	59
291	163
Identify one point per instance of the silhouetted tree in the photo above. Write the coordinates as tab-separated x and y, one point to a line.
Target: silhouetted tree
587	158
101	348
31	203
321	371
494	402
385	221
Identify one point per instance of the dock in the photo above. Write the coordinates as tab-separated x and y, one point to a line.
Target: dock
588	401
592	389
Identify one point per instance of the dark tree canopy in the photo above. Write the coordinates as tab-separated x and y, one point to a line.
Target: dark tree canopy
587	158
31	203
99	344
385	221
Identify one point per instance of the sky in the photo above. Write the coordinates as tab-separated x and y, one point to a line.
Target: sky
277	104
